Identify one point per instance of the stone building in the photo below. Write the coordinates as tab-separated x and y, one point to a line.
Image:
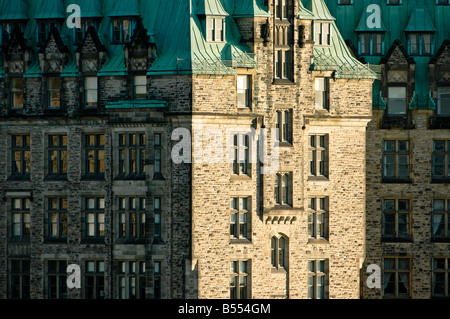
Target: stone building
408	140
89	124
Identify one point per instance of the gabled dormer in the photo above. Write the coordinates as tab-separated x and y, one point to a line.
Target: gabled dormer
14	14
91	53
50	14
420	33
16	54
212	16
322	24
91	16
53	54
140	52
123	21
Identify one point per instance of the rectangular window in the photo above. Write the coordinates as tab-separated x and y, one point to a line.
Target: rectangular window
241	160
8	29
441	160
140	87
443	101
57	155
240	279
284	189
371	43
284	125
20	218
420	44
56	279
20	156
397	104
394	1
440	219
396	219
157	212
240	218
131	280
157	143
91	91
54	93
19	279
396	160
95	217
94	279
397	277
322	93
121	30
80	33
57	218
318	155
279	252
345	2
95	154
17	93
322	33
318	279
318	217
157	280
131	155
283	64
215	29
244	91
131	217
441	279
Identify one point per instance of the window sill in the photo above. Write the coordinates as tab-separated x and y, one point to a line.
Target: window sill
318	179
240	241
285	144
93	177
100	241
275	270
17	240
158	177
396	240
440	180
130	178
243	177
282	82
56	178
158	241
440	240
130	241
396	181
19	178
55	241
318	241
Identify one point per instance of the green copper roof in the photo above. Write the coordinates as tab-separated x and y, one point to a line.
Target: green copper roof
124	8
33	71
210	7
90	8
250	8
420	21
363	23
304	14
13	10
71	69
50	9
115	65
319	9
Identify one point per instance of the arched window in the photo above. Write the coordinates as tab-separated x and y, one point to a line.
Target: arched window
279	252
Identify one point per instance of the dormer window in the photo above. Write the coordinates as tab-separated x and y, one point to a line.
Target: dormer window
420	44
215	29
8	29
371	43
122	30
44	30
80	33
322	33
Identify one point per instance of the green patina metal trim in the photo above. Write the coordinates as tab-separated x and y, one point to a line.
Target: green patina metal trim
249	8
137	104
90	8
50	9
420	21
210	7
319	9
422	102
14	10
125	8
363	26
33	71
114	66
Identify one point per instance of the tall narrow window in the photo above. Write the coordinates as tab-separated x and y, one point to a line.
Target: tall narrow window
57	155
322	33
54	93
95	154
57	218
157	280
56	279
244	91
17	93
279	252
322	93
94	279
283	189
441	160
215	29
19	279
239	218
420	44
318	279
241	160
157	211
95	217
157	143
91	92
240	279
318	218
140	87
443	101
131	155
131	280
397	103
121	30
20	218
440	220
132	217
441	279
20	156
397	277
396	219
284	125
318	156
396	160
